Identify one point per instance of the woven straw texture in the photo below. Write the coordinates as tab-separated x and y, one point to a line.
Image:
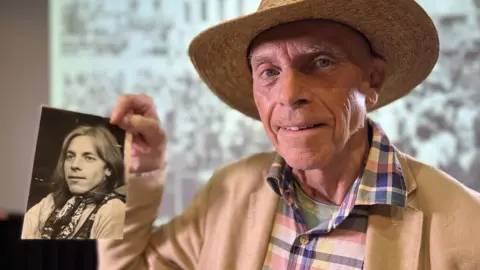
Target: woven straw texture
400	31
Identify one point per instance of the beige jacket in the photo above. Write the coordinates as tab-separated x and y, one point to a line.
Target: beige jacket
228	224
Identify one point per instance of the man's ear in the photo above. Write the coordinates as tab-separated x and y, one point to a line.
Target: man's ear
378	75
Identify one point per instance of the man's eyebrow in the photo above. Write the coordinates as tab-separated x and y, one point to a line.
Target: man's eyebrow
319	48
327	48
87	153
259	57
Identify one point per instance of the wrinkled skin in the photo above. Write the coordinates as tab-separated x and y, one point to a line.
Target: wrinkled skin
317	72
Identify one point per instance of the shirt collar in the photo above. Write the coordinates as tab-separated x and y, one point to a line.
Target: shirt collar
381	182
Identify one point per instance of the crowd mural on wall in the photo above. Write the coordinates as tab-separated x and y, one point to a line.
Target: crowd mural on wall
129	46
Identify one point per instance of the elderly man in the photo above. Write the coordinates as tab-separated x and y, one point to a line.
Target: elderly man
336	194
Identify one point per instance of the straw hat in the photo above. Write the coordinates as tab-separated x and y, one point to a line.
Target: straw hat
400	31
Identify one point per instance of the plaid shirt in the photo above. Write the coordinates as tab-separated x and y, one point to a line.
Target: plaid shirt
311	235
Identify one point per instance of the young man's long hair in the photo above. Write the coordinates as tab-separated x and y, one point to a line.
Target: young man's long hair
107	148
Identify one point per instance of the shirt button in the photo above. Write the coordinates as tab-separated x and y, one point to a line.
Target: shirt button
304	239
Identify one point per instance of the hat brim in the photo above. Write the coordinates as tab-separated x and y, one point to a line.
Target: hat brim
399	31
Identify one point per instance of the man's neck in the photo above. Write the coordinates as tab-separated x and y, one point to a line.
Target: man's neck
331	184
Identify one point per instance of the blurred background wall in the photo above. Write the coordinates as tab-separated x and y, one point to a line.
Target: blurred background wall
82	54
24	86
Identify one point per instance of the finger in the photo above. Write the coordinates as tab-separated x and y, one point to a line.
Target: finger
139	146
130	104
148	128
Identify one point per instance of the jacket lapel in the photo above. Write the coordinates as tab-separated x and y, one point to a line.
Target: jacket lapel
393	238
262	207
394	234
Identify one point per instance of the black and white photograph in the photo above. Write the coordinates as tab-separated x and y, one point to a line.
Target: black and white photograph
78	188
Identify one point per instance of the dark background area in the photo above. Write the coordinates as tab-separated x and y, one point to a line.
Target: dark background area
18	254
55	124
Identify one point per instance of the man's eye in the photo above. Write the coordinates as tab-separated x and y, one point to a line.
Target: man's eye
322	63
270	72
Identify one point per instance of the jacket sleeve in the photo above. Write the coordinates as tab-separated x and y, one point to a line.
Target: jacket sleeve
34	217
31	223
109	221
174	245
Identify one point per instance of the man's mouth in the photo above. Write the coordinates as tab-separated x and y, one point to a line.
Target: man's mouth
76	177
298	128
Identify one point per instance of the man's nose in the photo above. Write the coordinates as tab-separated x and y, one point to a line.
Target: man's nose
75	165
292	90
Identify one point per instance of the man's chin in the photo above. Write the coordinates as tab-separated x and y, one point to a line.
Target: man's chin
306	161
76	191
305	166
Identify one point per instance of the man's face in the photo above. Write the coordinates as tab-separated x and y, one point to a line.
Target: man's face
311	82
84	169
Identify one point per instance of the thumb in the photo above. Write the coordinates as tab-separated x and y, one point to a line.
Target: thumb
148	128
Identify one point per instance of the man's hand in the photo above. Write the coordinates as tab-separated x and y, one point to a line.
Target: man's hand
137	114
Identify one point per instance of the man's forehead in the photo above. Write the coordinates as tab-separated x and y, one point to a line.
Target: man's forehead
309	36
82	142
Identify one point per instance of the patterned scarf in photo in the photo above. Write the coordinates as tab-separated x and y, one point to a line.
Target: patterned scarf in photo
63	221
